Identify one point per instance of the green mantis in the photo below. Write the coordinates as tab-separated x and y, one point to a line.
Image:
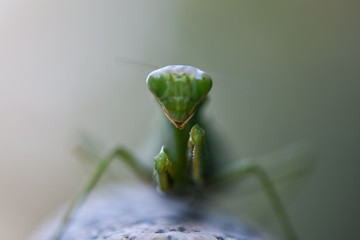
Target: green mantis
181	90
185	163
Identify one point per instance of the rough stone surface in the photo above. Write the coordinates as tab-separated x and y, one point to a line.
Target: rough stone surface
120	213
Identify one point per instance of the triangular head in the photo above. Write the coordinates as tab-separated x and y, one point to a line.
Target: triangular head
179	90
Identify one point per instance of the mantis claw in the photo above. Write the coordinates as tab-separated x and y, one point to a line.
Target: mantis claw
162	166
196	153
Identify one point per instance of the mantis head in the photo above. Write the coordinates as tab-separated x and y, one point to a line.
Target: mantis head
179	90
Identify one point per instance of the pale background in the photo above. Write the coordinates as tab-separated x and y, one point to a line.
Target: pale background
284	71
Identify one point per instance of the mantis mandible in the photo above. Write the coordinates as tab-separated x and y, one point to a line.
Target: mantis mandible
184	164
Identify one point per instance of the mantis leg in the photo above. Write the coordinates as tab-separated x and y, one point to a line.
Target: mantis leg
119	153
162	171
250	169
196	154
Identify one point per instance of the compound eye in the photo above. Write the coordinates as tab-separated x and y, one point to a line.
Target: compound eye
203	85
157	85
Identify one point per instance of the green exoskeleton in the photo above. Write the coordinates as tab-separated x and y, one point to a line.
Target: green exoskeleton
181	163
184	164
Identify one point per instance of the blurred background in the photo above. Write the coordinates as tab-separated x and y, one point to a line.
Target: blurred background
284	71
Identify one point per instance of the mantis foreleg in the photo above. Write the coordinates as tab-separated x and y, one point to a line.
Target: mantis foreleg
196	154
163	170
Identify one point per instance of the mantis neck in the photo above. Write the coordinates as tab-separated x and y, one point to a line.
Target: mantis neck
177	148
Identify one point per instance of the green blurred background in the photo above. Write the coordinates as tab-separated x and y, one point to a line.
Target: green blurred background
284	71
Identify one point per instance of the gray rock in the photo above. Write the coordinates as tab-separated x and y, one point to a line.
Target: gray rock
139	212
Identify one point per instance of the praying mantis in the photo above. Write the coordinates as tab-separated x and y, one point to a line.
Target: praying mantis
185	164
